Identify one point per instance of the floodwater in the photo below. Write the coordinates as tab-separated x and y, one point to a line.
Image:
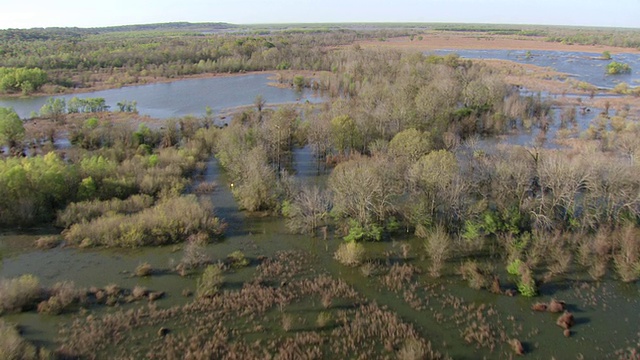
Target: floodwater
581	66
606	312
535	136
182	97
607	317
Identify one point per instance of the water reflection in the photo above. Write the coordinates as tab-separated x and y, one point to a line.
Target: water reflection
183	97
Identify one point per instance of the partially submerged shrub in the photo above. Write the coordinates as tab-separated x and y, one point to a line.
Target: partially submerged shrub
287	322
139	292
48	242
526	282
474	275
144	269
19	293
438	246
209	283
350	253
615	68
205	187
172	220
85	211
194	253
63	295
413	349
324	318
627	257
237	259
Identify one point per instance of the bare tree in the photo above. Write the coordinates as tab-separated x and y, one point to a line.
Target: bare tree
308	210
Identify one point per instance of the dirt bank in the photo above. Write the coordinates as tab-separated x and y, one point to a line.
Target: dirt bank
455	40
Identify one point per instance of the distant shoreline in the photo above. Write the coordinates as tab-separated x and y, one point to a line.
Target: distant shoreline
477	41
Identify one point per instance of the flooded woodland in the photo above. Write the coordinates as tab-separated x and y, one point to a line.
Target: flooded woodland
339	201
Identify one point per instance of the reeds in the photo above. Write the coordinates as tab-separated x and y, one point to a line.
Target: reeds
213	327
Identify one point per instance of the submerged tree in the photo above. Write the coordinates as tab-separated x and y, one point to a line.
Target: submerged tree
364	192
307	210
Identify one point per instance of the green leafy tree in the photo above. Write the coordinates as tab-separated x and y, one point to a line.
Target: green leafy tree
21	79
345	134
54	109
433	184
11	128
410	144
298	82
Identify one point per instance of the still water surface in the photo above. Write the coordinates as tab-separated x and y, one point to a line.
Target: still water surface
581	66
180	98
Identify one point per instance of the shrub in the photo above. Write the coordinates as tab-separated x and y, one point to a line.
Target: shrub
513	267
615	68
205	187
139	292
86	211
209	283
438	247
33	188
194	253
621	88
170	221
474	275
526	282
627	258
144	269
413	349
19	293
357	232
350	253
287	322
48	242
324	318
299	82
237	259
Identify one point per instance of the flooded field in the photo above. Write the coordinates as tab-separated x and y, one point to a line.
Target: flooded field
457	321
293	299
580	66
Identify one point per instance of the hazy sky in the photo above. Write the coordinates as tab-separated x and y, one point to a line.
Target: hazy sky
85	13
